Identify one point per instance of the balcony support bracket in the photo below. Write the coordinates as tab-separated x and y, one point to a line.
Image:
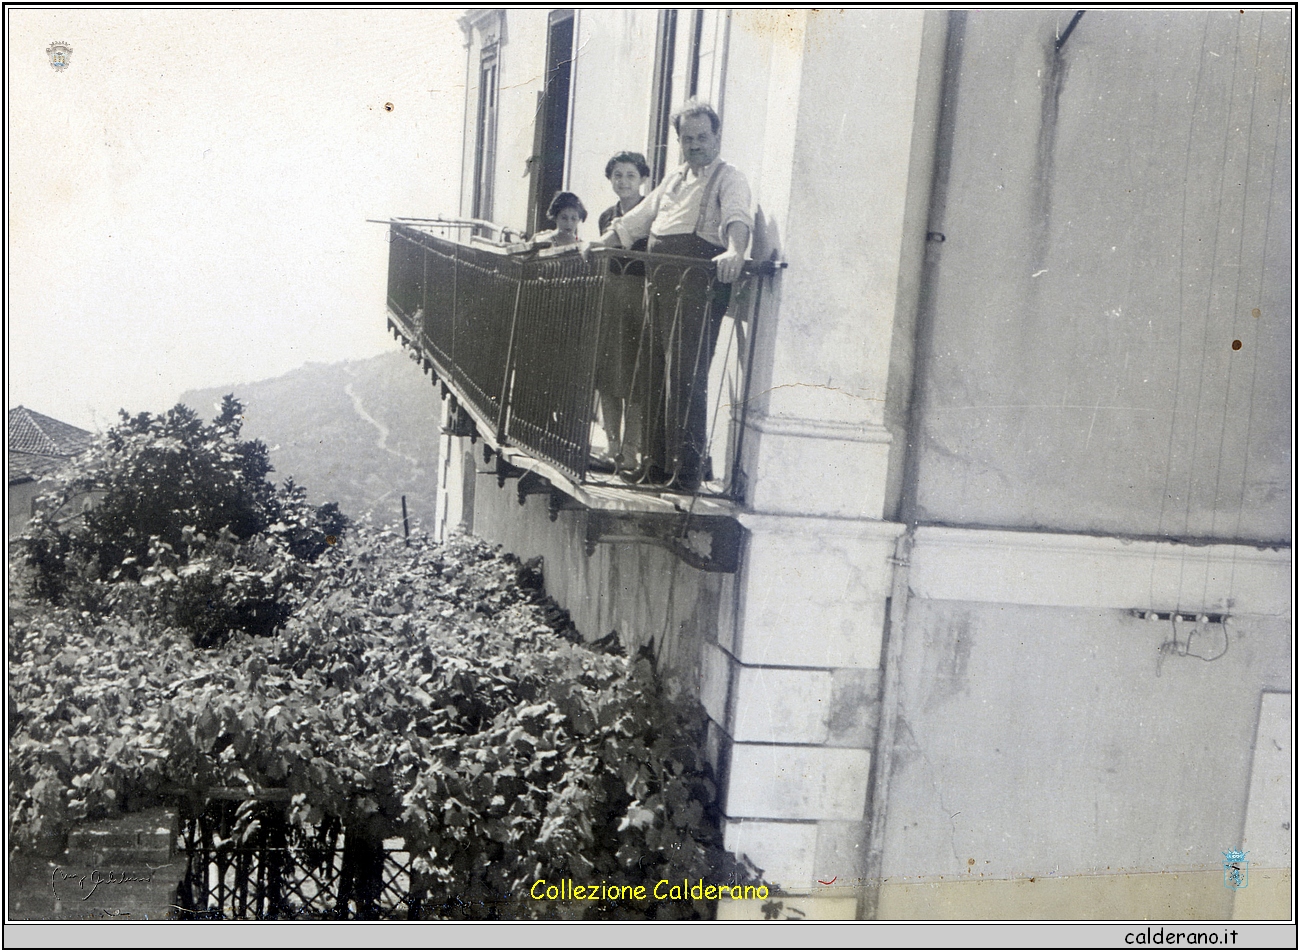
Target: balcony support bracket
560	501
532	484
506	471
706	542
461	423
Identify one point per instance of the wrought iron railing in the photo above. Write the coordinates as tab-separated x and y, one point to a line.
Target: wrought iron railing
532	344
245	859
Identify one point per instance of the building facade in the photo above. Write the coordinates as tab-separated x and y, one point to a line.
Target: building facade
992	616
38	445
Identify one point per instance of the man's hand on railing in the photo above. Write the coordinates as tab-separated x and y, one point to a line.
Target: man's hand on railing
608	240
729	265
731	261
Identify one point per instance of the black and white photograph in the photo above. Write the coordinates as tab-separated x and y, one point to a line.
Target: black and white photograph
629	464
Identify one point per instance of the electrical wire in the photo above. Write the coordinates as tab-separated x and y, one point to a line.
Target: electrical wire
1182	250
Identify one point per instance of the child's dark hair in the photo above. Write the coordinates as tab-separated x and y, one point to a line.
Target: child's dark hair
563	200
631	158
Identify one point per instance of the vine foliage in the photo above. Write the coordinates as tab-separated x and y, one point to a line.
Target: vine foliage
416	690
176	518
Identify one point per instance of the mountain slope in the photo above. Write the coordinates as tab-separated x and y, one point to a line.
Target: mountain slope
360	433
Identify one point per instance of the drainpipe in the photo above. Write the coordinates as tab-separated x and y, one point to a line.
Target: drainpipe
882	760
940	60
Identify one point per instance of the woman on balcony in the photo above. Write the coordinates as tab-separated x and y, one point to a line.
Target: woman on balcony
621	324
701	210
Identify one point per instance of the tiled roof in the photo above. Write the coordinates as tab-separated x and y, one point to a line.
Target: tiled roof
35	433
38	444
25	466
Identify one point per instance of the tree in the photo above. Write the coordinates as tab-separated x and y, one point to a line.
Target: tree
186	525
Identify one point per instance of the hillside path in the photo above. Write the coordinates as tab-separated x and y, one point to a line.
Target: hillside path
382	442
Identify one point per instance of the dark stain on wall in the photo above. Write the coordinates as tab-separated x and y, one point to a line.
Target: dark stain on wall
948	651
1053	82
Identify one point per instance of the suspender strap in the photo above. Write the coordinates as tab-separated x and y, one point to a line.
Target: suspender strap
710	192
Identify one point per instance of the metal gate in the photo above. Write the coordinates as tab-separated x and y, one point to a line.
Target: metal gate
245	860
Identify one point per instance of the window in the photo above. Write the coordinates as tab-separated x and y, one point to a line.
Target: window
551	137
485	143
690	60
708	59
661	103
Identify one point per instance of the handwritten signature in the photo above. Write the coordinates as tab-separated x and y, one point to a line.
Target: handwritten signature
112	877
109	913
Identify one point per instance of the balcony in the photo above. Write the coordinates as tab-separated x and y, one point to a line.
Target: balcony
521	343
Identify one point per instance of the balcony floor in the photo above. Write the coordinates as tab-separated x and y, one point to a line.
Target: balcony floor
607	491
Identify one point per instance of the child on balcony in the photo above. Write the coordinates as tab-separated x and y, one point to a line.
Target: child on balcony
567	212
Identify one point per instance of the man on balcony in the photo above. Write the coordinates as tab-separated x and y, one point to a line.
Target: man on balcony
701	210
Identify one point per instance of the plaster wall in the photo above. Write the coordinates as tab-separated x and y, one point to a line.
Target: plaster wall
523	75
20	497
1067	733
796	734
614	74
1115	215
847	188
1108	217
1046	743
640	590
613	79
521	61
611	102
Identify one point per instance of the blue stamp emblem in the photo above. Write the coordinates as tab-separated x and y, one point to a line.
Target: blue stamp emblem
1236	869
60	54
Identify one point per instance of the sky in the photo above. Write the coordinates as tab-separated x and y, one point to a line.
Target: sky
188	199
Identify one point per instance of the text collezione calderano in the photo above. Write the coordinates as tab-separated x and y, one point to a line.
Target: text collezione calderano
567	891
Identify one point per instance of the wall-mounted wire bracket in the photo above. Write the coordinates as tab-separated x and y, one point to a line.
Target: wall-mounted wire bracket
1204	618
1074	21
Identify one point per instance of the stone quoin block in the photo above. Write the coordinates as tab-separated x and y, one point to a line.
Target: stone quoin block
853	461
782	705
715	682
797	783
785	852
814	592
